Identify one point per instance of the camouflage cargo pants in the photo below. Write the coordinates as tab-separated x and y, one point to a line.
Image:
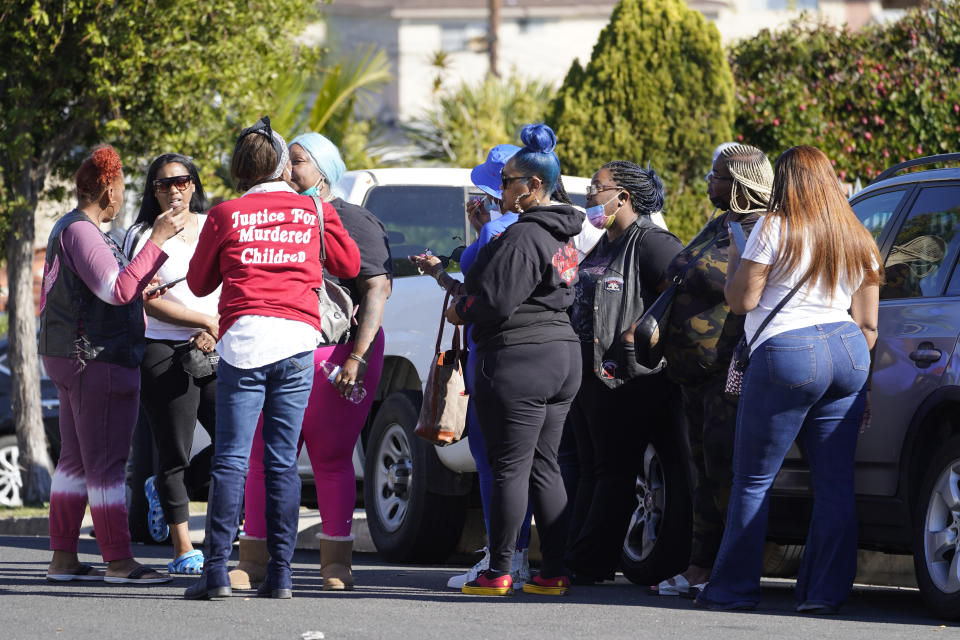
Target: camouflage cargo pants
711	420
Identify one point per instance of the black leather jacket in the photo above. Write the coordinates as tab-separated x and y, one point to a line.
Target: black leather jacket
621	296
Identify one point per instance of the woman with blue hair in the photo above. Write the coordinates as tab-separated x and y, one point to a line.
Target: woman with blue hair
486	217
518	291
331	423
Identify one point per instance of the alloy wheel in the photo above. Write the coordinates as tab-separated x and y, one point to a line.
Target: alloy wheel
394	475
646	519
941	530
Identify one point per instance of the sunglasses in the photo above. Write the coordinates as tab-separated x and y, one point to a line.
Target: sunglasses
165	184
506	180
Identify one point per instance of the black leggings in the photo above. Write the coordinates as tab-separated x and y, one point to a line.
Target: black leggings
174	401
613	428
523	394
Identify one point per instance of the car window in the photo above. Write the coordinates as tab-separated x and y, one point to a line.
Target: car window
876	211
417	218
926	246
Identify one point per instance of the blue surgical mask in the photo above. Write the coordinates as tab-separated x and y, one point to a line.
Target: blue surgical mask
312	191
494	211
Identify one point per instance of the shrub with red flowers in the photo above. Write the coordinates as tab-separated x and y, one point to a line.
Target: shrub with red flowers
868	99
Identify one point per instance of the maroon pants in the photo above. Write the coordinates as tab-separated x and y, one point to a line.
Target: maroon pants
98	411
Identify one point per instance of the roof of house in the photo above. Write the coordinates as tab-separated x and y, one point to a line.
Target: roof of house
438	8
469	4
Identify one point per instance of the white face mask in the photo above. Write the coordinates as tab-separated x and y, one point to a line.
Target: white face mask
494	211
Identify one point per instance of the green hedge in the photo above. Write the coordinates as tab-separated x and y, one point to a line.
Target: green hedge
868	99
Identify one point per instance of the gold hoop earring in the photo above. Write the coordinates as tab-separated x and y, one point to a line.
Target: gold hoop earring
516	203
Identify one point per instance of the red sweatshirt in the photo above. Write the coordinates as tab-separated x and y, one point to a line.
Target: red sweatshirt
264	248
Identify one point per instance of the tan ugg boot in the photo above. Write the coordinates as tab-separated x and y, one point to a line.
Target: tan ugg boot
335	564
252	568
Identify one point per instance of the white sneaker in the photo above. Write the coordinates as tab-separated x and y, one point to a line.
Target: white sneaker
520	568
456	582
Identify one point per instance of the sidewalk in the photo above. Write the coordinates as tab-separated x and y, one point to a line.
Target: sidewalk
872	567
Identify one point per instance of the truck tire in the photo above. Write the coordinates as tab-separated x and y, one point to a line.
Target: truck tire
937	532
407	521
657	544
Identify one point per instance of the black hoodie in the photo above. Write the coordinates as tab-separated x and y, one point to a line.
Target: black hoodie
521	284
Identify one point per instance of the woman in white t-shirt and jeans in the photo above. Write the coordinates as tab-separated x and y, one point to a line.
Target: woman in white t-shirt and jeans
174	400
806	380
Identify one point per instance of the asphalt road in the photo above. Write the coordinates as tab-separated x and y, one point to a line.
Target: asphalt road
401	602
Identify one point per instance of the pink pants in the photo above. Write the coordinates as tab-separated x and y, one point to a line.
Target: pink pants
98	411
331	426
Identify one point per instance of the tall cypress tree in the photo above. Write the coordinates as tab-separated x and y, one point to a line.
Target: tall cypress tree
657	89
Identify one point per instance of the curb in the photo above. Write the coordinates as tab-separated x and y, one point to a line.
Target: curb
873	567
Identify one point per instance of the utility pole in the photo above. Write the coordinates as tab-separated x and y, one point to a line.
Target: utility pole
494	38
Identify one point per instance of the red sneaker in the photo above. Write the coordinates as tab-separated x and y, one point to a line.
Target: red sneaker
486	586
558	586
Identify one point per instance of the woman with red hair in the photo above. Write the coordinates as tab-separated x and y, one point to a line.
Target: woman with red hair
92	342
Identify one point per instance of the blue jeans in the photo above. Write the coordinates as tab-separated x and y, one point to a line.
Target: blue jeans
280	390
808	384
478	449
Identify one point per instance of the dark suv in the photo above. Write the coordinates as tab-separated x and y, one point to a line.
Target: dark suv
908	455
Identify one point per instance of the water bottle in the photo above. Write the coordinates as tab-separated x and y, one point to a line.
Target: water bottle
330	371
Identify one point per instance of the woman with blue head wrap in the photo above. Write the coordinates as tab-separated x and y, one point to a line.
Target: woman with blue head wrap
316	164
332	423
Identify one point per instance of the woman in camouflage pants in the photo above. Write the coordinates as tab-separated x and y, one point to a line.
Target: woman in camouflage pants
701	335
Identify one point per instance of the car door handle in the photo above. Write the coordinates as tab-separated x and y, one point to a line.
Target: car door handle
926	354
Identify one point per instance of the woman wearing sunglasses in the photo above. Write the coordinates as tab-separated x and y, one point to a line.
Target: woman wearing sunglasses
518	291
178	322
617	281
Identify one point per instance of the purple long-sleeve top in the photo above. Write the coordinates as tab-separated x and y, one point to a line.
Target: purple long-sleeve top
88	256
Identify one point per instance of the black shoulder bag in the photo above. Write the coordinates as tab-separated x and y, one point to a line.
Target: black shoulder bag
650	328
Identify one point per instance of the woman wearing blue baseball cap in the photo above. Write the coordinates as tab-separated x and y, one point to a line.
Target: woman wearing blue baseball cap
486	217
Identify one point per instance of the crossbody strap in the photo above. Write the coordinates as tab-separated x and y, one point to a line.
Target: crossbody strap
319	204
678	279
774	311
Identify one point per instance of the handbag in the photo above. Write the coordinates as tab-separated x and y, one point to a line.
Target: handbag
443	414
198	364
650	329
335	304
741	353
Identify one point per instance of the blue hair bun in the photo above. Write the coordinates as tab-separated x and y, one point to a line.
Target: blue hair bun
538	137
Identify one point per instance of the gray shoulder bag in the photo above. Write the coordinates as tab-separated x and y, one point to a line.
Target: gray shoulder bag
336	306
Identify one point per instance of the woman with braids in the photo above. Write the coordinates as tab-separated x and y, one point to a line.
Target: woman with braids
701	334
618	280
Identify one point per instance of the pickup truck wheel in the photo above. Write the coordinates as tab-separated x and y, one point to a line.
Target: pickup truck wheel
657	544
936	555
408	522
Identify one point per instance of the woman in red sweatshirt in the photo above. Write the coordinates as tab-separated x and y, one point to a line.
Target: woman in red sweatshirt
263	248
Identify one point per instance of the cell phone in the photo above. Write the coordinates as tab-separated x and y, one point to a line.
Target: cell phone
164	285
736	232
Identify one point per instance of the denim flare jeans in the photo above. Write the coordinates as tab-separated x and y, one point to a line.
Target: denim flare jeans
807	385
281	390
